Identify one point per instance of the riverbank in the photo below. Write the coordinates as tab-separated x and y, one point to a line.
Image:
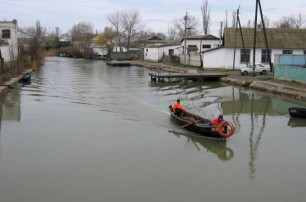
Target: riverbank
265	83
13	81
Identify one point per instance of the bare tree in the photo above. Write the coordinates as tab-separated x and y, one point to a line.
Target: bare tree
179	26
291	22
172	34
298	21
115	19
249	25
234	18
131	23
83	31
35	42
225	24
205	17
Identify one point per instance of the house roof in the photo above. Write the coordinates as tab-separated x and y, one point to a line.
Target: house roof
277	38
151	39
154	38
169	43
202	37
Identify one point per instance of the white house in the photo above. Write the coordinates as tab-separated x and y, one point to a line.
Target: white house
8	40
155	53
194	46
200	43
97	49
231	54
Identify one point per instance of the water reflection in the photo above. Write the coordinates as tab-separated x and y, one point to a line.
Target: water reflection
297	122
217	147
11	110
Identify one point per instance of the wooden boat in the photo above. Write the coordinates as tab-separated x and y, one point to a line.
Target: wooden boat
26	78
297	112
203	126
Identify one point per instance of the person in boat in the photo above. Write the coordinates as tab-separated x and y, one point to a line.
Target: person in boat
217	121
178	109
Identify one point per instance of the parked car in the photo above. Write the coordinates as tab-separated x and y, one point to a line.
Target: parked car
259	69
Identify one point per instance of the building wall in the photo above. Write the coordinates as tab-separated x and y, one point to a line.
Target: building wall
156	54
100	50
193	59
200	43
151	54
10	51
296	59
224	57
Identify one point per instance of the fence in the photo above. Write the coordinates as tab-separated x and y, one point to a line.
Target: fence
290	73
191	59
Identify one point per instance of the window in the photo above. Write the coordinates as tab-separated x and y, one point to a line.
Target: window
192	48
287	52
146	49
304	52
264	55
6	34
206	46
245	56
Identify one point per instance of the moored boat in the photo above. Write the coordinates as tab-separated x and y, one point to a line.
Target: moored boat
297	112
203	126
26	78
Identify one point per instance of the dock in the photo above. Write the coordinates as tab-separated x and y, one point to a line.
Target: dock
194	75
118	63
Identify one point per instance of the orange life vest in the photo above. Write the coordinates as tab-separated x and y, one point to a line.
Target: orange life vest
215	121
178	106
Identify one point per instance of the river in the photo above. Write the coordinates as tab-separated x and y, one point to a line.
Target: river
85	131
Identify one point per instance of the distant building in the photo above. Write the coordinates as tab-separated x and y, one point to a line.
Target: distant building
8	40
65	40
194	46
153	40
98	50
23	42
155	53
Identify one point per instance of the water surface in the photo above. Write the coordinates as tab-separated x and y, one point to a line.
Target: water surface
85	131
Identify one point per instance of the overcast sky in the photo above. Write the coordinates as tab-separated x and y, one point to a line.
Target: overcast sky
157	15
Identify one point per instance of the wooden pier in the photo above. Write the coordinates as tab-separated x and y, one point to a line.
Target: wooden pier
195	76
118	63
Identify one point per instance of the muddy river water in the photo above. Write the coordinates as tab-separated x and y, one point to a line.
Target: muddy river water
85	131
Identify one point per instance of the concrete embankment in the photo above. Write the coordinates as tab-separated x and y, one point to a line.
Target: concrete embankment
260	82
279	87
282	89
9	84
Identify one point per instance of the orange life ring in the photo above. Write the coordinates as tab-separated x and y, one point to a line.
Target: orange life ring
226	134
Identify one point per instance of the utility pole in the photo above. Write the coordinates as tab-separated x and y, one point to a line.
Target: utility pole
242	39
221	32
255	36
185	37
265	35
236	26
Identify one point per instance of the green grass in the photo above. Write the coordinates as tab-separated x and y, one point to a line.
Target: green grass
6	77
